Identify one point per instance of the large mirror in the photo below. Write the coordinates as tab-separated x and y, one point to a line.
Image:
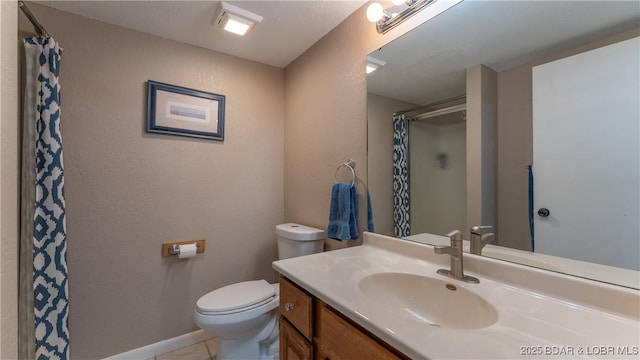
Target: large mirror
472	122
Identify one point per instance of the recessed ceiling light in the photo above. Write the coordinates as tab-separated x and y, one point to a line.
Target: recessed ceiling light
236	20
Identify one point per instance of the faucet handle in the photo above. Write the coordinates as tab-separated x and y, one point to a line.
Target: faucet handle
456	239
455	234
481	230
481	236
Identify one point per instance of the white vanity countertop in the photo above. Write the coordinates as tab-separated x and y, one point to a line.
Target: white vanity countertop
541	314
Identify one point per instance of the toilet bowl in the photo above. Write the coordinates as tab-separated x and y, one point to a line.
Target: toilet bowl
244	315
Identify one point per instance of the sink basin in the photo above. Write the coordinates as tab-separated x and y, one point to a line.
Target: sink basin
429	300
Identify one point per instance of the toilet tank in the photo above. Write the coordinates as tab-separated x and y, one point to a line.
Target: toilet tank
297	240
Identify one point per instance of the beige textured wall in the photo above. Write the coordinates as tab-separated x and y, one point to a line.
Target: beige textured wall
326	104
481	119
128	191
9	188
515	143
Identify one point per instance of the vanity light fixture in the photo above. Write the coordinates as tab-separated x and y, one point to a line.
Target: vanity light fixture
236	20
387	19
374	64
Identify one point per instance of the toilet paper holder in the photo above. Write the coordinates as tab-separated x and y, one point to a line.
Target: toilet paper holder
173	248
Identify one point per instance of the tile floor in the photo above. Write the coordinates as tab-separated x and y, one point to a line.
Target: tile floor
206	350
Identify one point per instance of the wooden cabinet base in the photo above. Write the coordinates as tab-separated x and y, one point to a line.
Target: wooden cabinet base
293	346
334	336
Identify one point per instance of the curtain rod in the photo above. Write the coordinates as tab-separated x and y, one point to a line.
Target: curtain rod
428	106
39	28
439	112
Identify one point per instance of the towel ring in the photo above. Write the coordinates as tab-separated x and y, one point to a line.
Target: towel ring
350	167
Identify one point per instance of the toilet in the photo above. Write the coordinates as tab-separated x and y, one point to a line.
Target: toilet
245	315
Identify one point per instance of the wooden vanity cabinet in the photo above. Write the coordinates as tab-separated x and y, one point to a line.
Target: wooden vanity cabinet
311	329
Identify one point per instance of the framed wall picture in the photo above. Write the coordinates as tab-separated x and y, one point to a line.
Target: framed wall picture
177	110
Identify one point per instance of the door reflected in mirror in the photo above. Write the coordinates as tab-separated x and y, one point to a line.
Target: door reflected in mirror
537	88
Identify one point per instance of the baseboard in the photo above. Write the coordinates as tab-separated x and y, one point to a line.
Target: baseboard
163	347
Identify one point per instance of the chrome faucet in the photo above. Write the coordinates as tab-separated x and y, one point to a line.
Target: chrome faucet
455	252
481	236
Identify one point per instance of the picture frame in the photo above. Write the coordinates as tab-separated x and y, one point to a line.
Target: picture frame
176	110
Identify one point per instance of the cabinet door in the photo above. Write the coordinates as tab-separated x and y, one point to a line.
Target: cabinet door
295	305
336	339
293	346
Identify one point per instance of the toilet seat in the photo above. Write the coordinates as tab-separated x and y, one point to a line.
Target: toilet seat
235	298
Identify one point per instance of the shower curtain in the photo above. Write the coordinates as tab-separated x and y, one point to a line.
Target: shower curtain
43	304
401	224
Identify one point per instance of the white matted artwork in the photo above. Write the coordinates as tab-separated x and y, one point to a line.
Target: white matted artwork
181	111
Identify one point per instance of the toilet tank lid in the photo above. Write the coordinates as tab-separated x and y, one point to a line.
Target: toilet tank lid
299	232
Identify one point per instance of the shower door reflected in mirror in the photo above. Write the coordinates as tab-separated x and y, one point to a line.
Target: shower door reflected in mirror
437	176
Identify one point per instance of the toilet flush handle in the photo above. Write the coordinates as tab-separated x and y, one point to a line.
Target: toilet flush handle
289	306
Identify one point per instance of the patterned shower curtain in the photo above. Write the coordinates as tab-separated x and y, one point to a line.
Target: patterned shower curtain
43	312
401	224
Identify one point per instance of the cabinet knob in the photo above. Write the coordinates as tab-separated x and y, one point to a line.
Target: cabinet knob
289	306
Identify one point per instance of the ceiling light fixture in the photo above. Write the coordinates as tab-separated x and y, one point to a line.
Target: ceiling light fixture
236	20
374	64
384	21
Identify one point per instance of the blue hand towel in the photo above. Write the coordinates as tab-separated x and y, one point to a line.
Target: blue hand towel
343	213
